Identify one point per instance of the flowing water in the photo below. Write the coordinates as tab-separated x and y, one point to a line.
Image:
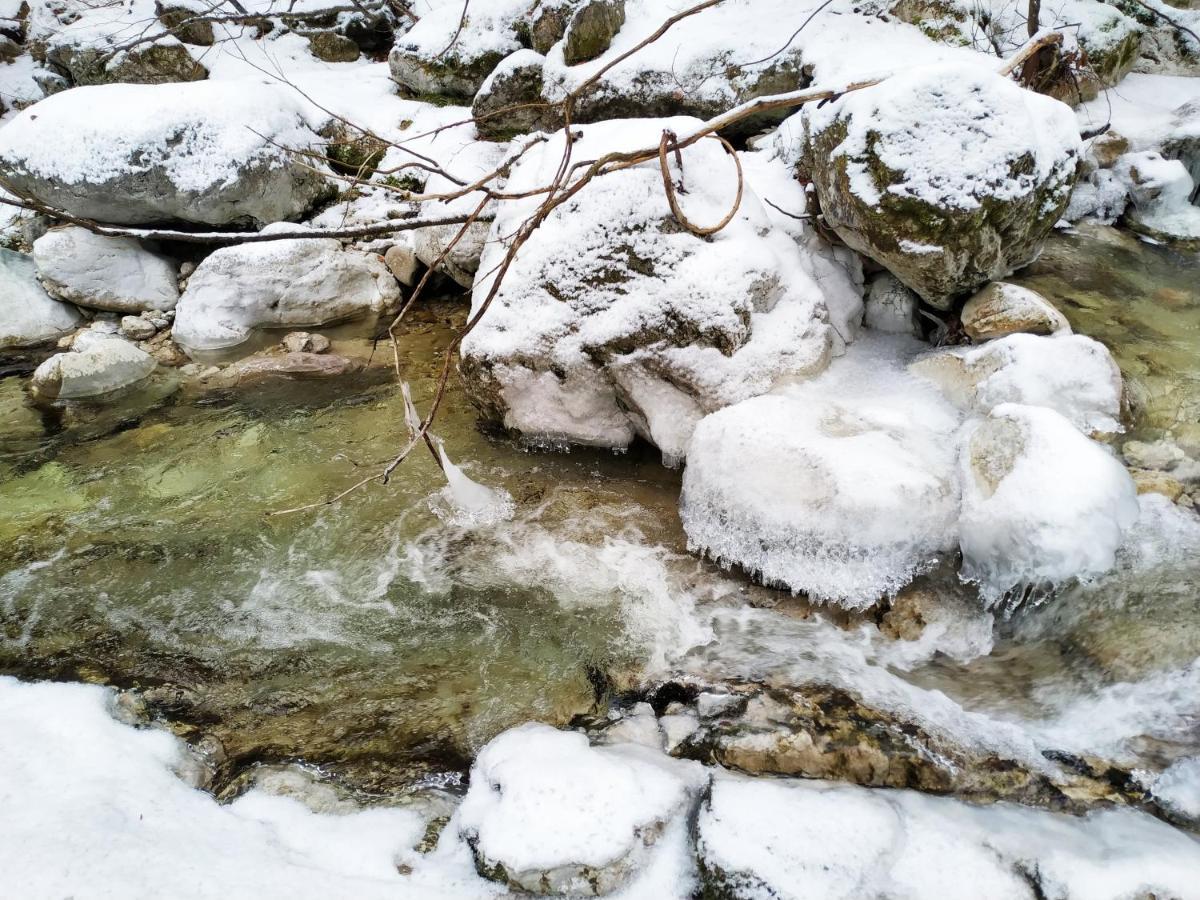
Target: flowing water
381	640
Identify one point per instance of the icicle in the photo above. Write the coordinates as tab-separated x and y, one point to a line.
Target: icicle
470	504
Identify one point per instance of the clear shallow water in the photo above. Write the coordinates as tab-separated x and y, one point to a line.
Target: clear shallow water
386	645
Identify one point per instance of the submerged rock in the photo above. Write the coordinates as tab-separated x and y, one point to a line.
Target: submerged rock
29	316
1001	309
276	284
109	273
548	814
948	175
212	153
615	321
94	368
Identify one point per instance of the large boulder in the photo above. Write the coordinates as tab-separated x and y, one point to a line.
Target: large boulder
842	488
1041	503
213	153
163	61
548	814
948	175
613	320
28	315
291	283
510	101
109	273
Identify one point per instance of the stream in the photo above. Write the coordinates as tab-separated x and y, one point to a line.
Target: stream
383	642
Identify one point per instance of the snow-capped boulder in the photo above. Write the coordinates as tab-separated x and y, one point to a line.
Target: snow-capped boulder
842	487
1160	196
110	273
510	100
28	315
1041	503
949	175
208	152
614	320
1069	373
276	284
92	369
1001	309
548	814
440	58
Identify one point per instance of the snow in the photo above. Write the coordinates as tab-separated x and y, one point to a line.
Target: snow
834	841
1040	502
842	487
95	809
1143	109
28	315
953	135
1161	194
1069	373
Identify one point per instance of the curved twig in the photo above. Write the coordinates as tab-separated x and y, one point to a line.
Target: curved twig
668	139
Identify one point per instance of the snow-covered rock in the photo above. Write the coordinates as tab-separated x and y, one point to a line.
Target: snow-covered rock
110	273
1160	194
614	320
91	369
510	100
890	307
1041	503
792	839
1069	373
28	315
438	57
1001	309
948	175
208	152
842	487
276	284
1178	788
549	814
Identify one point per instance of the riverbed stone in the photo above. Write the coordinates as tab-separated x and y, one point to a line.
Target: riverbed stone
95	271
305	342
1001	309
274	284
28	315
401	260
137	329
91	370
943	227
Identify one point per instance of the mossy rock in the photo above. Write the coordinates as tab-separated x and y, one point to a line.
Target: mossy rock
332	47
147	64
181	22
592	30
511	102
451	77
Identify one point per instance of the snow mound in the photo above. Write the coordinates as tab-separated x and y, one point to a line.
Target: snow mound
614	320
842	487
206	152
1040	502
546	812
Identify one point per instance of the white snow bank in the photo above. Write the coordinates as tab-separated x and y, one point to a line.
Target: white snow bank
1040	502
94	809
842	487
787	840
